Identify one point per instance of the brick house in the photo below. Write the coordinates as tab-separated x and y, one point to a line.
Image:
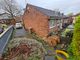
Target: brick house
41	20
18	18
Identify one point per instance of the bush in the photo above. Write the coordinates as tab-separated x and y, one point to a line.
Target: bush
75	45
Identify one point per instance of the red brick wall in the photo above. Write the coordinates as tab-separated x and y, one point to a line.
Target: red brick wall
36	20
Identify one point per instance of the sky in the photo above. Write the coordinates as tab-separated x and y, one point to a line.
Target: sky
64	6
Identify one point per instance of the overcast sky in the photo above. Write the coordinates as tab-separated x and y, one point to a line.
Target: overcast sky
65	6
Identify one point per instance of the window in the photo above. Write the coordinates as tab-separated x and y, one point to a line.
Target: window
51	23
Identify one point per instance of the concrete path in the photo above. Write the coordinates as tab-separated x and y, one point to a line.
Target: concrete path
20	32
49	58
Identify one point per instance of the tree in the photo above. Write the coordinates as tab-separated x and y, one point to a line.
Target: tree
10	7
75	45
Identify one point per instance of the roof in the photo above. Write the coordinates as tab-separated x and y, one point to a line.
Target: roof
47	11
6	19
76	14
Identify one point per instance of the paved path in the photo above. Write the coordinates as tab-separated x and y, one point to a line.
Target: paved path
3	41
20	32
5	38
49	58
51	55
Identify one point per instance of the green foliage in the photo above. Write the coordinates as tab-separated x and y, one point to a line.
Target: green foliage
75	45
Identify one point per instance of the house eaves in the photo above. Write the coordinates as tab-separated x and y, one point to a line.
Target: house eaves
47	12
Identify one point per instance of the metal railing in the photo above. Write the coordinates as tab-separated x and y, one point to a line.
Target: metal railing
4	38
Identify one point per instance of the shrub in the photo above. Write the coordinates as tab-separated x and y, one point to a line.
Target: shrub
75	45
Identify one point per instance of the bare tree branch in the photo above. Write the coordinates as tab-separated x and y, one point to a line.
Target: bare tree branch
10	7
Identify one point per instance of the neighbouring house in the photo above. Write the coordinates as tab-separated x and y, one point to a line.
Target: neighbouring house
18	18
74	17
70	19
4	18
67	20
41	20
7	21
4	15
